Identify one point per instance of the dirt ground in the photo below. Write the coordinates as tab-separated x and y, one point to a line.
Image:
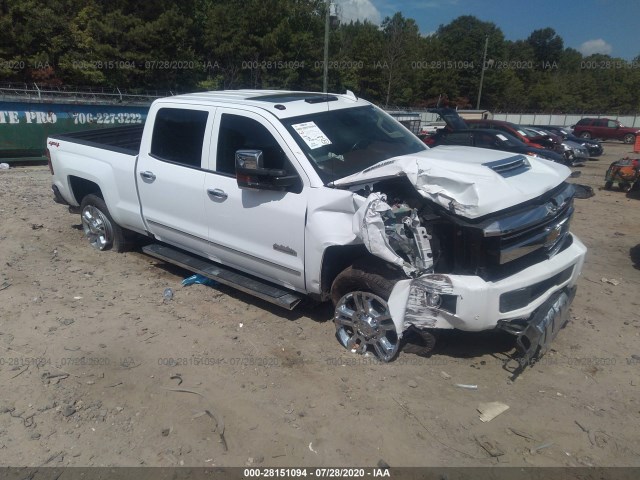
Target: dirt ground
90	353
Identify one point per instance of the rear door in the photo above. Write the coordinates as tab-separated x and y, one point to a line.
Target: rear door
171	175
257	231
600	129
613	130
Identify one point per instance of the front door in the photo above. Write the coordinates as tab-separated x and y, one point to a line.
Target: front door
257	231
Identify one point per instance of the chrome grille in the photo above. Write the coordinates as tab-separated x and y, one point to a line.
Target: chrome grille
542	227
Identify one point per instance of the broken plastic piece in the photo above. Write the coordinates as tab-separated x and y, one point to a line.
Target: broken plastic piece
368	224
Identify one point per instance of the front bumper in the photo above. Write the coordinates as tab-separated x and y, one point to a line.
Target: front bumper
471	303
536	334
582	154
595	151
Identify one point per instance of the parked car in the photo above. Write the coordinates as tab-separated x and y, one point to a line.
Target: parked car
508	127
605	129
488	138
548	140
287	195
574	153
492	139
593	146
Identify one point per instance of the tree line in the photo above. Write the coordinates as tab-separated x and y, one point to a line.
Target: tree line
187	45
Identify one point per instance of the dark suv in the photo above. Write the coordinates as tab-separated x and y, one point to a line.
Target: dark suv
606	129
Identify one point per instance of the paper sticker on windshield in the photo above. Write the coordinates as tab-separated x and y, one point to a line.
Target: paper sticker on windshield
311	134
501	137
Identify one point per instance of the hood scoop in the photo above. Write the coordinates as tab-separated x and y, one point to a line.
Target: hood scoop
508	167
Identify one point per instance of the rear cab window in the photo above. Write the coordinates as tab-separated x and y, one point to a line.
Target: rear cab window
178	136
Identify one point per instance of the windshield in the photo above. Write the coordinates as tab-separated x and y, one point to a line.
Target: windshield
339	143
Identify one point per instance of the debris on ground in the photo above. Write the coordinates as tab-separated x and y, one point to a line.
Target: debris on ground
200	280
490	410
167	295
611	281
540	447
466	386
522	434
491	448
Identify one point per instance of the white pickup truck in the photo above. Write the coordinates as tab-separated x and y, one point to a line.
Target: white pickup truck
288	195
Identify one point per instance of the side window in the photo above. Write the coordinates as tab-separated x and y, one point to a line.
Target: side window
600	123
178	135
457	139
485	140
612	124
242	133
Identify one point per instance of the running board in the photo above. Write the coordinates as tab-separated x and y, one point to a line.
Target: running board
240	281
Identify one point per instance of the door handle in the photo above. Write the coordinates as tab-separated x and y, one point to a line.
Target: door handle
216	192
147	175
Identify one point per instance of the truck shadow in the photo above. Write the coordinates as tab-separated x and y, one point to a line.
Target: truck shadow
454	344
318	312
459	344
634	253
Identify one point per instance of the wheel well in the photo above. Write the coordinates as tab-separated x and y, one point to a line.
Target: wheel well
336	258
81	187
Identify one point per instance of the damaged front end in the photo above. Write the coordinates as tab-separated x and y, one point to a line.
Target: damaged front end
515	270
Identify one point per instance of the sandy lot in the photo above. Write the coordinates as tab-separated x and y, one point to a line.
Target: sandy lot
90	353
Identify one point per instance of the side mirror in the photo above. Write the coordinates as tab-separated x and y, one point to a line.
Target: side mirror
250	173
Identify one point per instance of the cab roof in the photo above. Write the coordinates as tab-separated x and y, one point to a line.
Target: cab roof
281	103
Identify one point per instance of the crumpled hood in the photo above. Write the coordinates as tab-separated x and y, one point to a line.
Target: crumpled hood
458	178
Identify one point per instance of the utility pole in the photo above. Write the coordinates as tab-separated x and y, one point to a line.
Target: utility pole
326	45
484	61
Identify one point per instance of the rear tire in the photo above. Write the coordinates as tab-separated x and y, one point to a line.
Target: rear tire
99	227
586	135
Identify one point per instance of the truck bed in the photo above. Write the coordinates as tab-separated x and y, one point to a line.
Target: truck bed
118	139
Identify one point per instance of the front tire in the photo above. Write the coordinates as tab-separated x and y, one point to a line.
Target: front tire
362	317
99	227
629	138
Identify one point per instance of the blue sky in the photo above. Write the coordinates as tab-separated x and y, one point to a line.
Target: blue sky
590	26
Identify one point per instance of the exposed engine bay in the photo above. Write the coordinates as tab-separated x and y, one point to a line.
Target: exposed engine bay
398	228
443	255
